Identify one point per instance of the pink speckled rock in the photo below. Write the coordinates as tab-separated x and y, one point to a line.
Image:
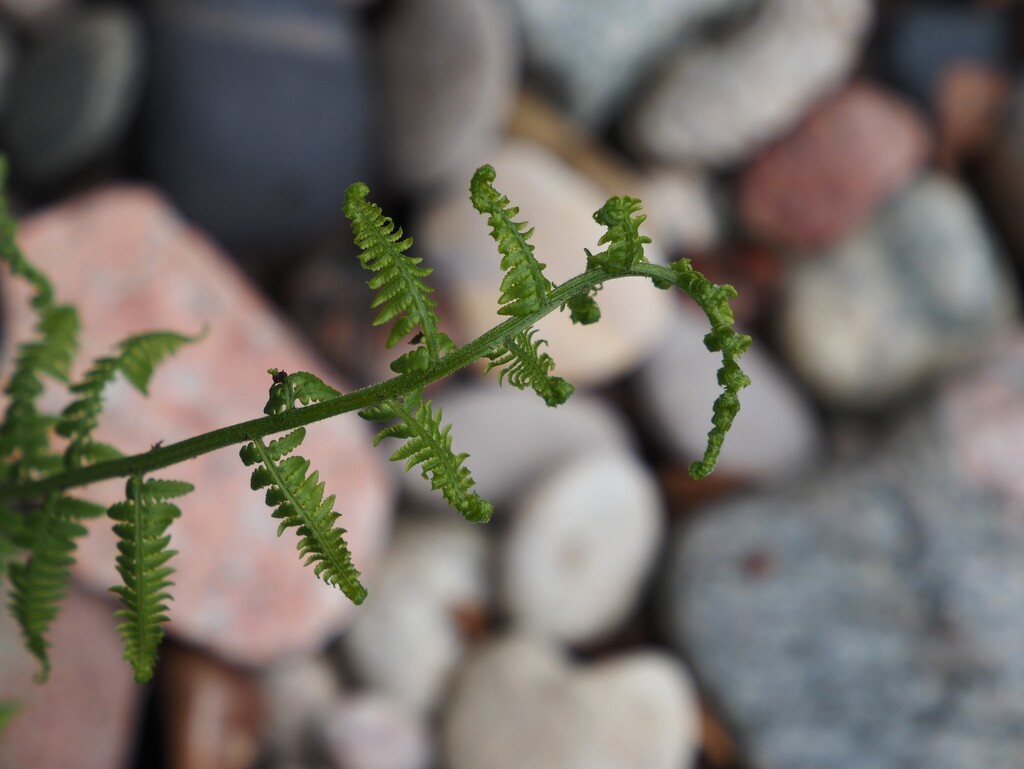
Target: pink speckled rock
819	183
131	265
86	714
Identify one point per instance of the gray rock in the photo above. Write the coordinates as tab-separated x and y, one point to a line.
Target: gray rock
297	690
512	437
775	435
76	91
259	116
580	547
719	102
372	732
449	72
873	618
918	291
591	54
406	640
518	704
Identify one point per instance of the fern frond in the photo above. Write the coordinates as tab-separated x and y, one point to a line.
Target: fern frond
301	386
714	301
430	445
583	308
140	523
526	366
625	243
141	354
524	287
298	499
39	584
403	298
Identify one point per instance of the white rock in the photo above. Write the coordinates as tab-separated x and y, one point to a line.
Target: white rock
682	214
512	436
373	732
519	705
580	546
297	691
717	103
406	640
559	203
775	434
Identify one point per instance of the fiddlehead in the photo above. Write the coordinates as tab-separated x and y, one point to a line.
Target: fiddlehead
525	366
140	523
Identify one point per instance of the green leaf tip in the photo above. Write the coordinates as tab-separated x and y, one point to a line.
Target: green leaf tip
527	367
625	244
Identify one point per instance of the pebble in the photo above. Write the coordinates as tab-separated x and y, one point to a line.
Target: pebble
590	55
826	178
776	433
75	93
512	437
559	203
970	106
919	291
580	547
130	265
719	102
370	731
258	117
449	73
33	13
297	690
406	641
518	703
872	617
683	209
90	692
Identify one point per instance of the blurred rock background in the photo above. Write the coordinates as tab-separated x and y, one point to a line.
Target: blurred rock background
844	592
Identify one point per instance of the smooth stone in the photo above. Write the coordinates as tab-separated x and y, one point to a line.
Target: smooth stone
580	547
719	102
131	265
75	93
90	693
296	690
449	73
826	178
886	598
519	703
512	436
258	117
776	433
683	211
590	55
970	104
559	203
406	641
33	13
920	290
370	731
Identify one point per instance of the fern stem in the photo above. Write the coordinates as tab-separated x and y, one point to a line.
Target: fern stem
395	387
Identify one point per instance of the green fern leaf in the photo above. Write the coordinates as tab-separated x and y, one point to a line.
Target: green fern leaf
524	287
714	301
301	386
141	354
298	499
140	523
625	243
583	308
39	584
403	298
430	445
525	366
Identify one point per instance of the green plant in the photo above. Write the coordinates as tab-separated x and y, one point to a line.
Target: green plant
43	456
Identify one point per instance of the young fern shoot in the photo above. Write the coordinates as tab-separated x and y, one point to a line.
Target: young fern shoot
43	456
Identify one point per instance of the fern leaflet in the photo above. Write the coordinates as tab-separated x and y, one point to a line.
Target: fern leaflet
526	366
298	499
403	298
430	445
140	523
623	238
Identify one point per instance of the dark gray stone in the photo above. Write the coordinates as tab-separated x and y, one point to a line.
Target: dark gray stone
259	116
75	93
874	618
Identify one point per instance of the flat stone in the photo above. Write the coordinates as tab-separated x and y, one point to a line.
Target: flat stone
821	182
449	71
90	692
296	690
919	291
579	549
776	433
718	102
519	703
559	203
370	731
589	55
131	265
872	617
